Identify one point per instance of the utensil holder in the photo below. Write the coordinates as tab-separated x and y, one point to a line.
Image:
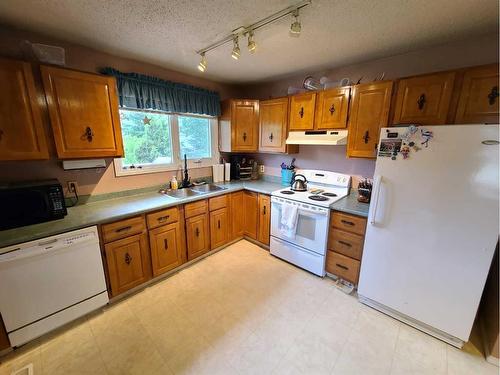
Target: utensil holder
286	177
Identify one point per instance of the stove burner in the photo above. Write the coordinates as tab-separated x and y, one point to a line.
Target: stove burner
287	192
329	194
318	198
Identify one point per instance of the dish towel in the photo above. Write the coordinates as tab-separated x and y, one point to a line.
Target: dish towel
289	216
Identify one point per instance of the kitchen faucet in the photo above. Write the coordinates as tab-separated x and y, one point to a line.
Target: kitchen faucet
186	180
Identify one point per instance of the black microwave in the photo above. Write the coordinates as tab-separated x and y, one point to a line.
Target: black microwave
25	203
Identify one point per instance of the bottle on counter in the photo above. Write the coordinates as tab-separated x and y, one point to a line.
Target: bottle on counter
174	185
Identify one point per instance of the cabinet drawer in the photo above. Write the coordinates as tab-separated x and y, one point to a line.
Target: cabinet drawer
345	243
217	202
195	208
350	223
122	228
342	266
170	215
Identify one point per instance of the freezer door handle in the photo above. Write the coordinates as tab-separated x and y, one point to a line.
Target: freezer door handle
377	182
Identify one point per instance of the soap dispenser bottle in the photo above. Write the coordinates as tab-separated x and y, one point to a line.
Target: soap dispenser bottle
174	185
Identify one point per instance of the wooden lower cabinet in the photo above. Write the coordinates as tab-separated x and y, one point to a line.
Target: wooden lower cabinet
197	236
129	263
251	214
345	245
237	214
219	233
264	219
166	248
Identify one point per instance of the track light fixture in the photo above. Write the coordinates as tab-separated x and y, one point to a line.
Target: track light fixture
296	26
236	49
202	66
248	31
251	43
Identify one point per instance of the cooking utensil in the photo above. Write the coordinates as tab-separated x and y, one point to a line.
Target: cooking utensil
297	184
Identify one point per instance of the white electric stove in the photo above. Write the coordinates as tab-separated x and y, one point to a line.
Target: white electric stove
306	247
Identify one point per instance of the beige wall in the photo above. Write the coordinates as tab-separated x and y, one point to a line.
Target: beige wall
96	181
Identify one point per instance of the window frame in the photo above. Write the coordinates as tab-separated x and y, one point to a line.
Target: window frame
178	160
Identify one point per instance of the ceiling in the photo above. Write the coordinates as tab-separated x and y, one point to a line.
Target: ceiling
334	32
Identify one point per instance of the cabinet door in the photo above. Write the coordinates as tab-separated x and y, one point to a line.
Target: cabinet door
245	125
128	263
83	111
21	129
479	102
251	214
369	113
331	108
197	236
264	218
424	99
237	217
166	249
273	125
302	111
218	228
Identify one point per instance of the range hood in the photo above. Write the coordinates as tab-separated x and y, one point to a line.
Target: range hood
317	137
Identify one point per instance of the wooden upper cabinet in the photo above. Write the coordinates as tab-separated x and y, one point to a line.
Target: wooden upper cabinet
424	99
128	263
264	219
273	126
250	211
166	248
479	101
21	130
369	113
243	118
83	110
331	108
302	107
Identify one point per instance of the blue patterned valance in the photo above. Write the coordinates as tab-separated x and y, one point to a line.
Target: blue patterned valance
144	92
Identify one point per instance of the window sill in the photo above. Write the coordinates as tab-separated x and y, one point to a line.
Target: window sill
120	172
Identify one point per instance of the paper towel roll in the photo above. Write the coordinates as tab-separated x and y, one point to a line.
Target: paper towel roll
227	174
215	173
221	172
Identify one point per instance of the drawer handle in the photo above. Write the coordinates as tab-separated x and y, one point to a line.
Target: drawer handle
342	266
197	232
124	229
345	243
346	222
165	242
162	218
421	102
128	258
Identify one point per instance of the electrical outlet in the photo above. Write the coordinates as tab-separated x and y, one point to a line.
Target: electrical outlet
72	186
262	168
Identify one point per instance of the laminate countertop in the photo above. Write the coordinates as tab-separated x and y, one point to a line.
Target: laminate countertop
108	210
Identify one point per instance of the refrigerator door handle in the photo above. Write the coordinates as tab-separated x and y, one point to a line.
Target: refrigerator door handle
377	182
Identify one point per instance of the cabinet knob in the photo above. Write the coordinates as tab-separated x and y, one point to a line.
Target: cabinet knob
301	112
128	258
197	232
264	210
332	109
492	96
271	136
89	134
421	101
1	134
366	137
218	224
165	243
244	137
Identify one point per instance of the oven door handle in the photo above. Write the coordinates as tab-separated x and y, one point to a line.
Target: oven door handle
305	211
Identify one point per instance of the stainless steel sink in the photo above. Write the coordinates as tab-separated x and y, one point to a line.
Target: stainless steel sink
180	193
207	188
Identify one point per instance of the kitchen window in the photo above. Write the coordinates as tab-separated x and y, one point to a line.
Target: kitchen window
155	141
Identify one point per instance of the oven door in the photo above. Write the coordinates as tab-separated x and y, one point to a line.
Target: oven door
312	225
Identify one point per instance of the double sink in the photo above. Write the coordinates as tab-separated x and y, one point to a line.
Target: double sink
192	191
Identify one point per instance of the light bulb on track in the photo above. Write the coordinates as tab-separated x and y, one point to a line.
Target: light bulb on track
251	43
236	49
202	66
296	27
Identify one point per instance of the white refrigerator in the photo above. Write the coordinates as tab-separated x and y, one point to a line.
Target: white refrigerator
433	227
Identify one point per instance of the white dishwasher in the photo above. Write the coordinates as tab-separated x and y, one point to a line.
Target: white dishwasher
49	282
